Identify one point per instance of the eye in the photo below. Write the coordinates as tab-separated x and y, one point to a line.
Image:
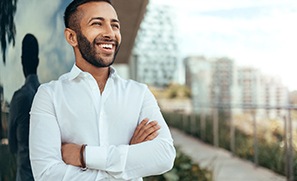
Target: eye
97	23
116	26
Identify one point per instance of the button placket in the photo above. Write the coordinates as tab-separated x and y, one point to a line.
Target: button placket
103	128
97	99
103	116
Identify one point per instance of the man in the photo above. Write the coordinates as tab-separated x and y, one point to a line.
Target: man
20	105
91	124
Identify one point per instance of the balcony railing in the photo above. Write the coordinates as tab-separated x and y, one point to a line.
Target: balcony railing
246	132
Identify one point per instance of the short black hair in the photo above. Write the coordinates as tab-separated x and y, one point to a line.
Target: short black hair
72	8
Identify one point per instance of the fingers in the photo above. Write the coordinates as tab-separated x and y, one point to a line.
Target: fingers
148	129
145	131
151	136
140	126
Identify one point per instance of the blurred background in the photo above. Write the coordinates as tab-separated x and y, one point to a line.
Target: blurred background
220	70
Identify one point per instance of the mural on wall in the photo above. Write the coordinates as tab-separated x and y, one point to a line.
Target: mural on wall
43	19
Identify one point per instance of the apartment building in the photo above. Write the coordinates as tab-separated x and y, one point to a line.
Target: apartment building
238	90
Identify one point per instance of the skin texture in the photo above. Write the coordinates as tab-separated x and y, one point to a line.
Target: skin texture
99	25
145	131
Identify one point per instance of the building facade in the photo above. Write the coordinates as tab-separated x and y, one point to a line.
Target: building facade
238	90
154	56
251	88
199	80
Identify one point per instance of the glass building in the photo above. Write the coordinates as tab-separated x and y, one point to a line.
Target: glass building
154	56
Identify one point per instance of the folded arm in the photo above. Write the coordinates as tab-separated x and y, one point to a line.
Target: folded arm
149	152
145	158
145	131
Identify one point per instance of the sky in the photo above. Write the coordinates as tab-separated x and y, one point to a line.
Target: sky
257	33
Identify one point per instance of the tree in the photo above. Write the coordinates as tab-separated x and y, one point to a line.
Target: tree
7	26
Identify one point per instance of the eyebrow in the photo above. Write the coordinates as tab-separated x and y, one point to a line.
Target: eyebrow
103	19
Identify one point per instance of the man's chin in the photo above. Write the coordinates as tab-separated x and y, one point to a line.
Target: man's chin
102	64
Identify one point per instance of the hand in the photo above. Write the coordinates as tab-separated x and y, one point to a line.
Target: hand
145	131
71	154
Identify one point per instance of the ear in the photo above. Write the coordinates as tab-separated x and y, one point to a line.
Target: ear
70	36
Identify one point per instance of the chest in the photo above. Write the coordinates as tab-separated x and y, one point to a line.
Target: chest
89	117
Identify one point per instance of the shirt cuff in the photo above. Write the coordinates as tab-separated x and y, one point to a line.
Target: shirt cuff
96	157
110	158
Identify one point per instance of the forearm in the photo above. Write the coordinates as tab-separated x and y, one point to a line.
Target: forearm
45	146
148	158
61	171
132	161
46	158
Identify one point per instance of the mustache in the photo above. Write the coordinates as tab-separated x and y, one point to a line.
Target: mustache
104	40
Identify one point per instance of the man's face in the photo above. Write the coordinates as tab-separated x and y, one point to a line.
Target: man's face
99	36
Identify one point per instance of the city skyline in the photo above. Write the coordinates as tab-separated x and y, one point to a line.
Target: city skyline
260	34
210	28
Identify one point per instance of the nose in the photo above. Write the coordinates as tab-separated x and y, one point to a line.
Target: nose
108	32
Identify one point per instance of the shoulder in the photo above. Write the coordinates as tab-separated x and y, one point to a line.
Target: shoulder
53	84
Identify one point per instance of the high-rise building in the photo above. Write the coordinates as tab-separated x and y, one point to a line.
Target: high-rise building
223	80
251	90
199	79
276	97
219	83
154	56
266	93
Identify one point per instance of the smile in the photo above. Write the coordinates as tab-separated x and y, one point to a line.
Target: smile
106	46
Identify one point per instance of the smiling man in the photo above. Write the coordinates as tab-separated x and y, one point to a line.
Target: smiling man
91	124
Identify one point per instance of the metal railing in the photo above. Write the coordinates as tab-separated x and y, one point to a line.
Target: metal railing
198	124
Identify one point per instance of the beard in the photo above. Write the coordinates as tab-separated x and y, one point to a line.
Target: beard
88	51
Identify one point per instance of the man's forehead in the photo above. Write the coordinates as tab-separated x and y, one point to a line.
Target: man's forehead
98	9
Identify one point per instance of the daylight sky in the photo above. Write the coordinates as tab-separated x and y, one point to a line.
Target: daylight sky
257	33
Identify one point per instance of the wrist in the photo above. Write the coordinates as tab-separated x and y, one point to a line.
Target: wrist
82	157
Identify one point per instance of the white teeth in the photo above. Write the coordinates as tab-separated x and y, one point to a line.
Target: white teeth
106	46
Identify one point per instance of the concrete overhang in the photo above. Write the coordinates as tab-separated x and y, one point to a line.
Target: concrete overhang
130	13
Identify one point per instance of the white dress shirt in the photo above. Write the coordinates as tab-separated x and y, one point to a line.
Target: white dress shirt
72	110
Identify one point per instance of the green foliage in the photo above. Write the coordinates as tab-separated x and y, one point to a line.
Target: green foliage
177	91
185	170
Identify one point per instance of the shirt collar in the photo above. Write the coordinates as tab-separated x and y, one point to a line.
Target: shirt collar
75	72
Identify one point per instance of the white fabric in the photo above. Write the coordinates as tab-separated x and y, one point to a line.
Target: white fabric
72	110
